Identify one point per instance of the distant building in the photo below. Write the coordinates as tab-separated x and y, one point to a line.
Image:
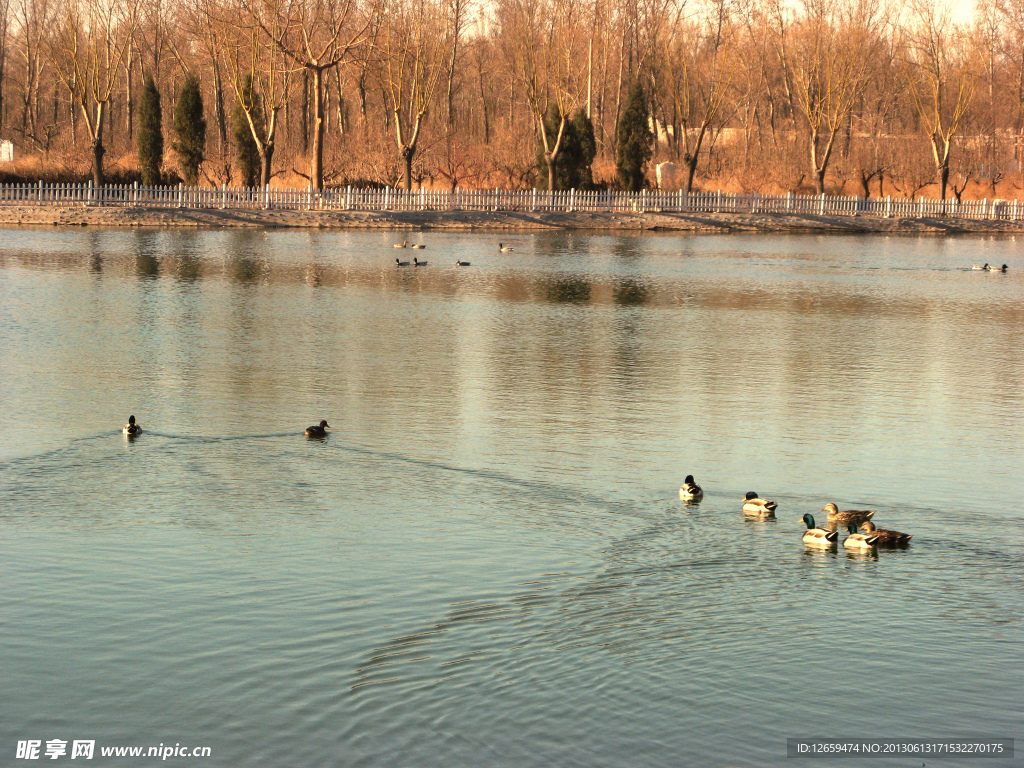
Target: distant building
6	151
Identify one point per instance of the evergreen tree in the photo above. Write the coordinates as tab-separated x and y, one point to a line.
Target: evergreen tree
635	140
248	152
150	135
579	147
190	129
587	142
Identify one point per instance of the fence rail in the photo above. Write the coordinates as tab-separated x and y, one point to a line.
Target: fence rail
497	200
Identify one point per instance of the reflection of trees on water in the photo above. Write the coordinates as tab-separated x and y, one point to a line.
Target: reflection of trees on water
147	263
568	290
629	293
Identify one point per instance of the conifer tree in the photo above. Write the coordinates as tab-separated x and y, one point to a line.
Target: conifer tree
635	140
190	130
150	135
245	144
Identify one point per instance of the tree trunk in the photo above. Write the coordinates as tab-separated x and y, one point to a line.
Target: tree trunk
551	159
316	175
98	149
407	154
266	161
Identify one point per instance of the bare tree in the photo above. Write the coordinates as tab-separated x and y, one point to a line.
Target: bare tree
87	50
415	44
540	39
940	76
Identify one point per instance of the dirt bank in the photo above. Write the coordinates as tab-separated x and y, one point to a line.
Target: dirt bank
488	220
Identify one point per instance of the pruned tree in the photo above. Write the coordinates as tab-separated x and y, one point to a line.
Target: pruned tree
87	49
246	124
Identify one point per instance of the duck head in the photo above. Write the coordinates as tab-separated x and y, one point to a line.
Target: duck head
750	495
830	507
809	520
689	479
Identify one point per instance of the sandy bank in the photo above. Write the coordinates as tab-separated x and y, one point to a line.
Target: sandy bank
486	220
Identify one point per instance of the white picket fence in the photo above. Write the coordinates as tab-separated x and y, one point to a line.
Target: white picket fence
350	199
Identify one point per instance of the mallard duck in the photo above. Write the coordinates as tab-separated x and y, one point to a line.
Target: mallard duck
417	263
401	263
419	245
818	537
505	248
403	244
887	538
318	430
858	540
690	491
980	266
994	268
459	263
131	428
753	505
836	518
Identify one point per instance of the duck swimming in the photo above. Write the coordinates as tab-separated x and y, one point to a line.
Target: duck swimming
980	266
818	537
994	268
131	428
754	505
836	518
505	248
401	263
887	538
418	263
318	430
460	263
403	244
858	540
690	491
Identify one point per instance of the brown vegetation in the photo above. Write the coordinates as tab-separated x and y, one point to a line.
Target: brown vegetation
869	97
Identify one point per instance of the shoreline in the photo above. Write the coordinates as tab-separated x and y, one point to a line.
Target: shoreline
88	216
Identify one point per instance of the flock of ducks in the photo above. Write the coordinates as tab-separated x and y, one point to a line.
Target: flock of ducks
753	506
826	538
989	267
458	262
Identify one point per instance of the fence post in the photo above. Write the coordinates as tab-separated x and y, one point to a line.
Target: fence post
40	191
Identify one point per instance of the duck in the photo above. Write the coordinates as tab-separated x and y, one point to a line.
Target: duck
417	263
690	491
754	505
460	263
836	518
887	538
980	266
318	430
401	263
994	268
858	540
418	245
505	248
818	537
403	244
131	428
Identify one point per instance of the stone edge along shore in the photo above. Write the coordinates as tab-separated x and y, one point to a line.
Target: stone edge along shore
489	220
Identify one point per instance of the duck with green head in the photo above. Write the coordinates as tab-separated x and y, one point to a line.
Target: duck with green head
818	537
131	428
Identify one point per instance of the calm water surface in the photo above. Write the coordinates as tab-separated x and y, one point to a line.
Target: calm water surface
487	562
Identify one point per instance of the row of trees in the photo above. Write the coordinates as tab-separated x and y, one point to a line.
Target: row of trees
559	93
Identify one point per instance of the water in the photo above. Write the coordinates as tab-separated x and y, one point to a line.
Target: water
487	562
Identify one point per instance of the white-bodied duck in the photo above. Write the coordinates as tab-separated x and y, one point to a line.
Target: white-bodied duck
818	537
755	505
690	491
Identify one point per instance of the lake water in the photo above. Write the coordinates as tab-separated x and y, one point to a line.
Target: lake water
487	562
